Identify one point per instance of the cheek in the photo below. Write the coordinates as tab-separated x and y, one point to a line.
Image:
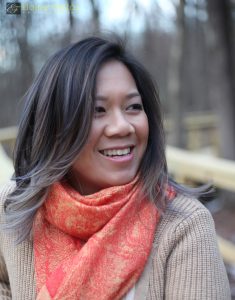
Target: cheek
144	130
92	140
96	132
87	151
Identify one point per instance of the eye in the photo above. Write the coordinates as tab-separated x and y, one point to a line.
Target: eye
135	106
99	109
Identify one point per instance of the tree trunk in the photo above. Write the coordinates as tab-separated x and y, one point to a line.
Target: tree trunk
95	16
175	80
222	92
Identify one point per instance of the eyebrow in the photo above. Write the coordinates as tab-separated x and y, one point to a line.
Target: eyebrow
128	96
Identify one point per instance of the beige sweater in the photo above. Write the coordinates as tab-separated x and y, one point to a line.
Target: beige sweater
184	264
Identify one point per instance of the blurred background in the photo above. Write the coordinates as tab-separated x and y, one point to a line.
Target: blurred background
188	47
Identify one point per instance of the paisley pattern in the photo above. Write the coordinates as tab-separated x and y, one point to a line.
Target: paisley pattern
92	247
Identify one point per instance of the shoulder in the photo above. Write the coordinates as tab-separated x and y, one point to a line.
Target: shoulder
186	254
184	208
184	216
5	190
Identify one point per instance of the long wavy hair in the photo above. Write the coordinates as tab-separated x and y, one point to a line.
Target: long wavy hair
56	122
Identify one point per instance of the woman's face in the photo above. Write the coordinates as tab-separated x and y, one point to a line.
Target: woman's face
118	136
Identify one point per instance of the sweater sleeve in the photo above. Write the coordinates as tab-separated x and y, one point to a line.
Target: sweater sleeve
5	291
194	268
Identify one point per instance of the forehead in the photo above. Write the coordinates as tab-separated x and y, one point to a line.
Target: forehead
114	75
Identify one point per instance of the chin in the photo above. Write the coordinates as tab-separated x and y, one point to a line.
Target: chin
121	180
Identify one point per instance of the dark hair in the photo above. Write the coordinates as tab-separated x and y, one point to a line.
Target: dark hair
56	122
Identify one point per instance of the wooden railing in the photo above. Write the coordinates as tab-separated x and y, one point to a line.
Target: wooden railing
200	131
8	134
200	167
182	165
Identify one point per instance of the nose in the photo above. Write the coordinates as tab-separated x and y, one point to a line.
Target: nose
118	125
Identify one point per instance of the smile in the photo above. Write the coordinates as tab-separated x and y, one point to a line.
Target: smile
116	152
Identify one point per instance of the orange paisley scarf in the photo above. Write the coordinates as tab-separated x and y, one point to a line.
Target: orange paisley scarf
91	247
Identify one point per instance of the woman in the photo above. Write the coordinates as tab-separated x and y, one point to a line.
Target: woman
92	210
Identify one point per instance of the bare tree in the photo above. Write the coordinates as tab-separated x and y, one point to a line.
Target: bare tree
221	44
25	52
68	36
19	71
175	79
95	10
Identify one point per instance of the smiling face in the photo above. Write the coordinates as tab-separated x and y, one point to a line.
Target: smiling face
118	136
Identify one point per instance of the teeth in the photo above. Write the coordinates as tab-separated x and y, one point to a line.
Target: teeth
115	152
